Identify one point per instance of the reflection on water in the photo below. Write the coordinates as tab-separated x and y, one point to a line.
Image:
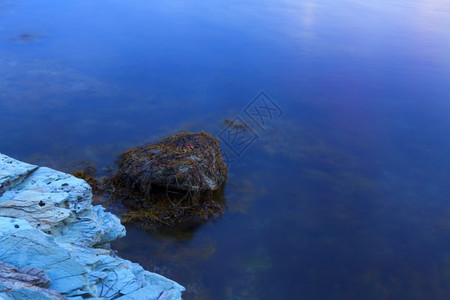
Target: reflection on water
344	197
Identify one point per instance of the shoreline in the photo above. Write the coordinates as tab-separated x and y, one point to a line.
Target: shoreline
48	222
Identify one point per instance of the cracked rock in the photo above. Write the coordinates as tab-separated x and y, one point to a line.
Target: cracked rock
54	244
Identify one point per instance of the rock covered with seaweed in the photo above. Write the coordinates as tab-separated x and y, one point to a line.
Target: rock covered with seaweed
48	224
186	161
176	181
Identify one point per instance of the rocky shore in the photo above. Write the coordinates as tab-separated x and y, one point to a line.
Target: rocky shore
54	244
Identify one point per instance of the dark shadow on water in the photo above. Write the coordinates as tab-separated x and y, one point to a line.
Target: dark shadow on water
27	38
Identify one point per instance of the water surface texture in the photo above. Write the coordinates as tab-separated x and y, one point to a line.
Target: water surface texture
342	193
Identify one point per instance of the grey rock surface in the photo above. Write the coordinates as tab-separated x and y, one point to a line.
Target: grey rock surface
26	274
48	223
11	171
25	283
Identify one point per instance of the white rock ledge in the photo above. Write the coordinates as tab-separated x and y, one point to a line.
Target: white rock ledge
48	222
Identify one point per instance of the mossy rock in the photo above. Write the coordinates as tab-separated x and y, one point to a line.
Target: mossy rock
185	161
176	182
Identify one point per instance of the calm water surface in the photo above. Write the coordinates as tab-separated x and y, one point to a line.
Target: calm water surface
343	196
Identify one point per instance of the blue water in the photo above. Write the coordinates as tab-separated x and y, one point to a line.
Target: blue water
343	195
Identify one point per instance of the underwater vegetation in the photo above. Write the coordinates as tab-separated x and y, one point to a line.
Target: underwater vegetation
88	173
235	125
27	38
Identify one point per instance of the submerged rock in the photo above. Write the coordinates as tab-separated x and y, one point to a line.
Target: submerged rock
48	222
174	182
